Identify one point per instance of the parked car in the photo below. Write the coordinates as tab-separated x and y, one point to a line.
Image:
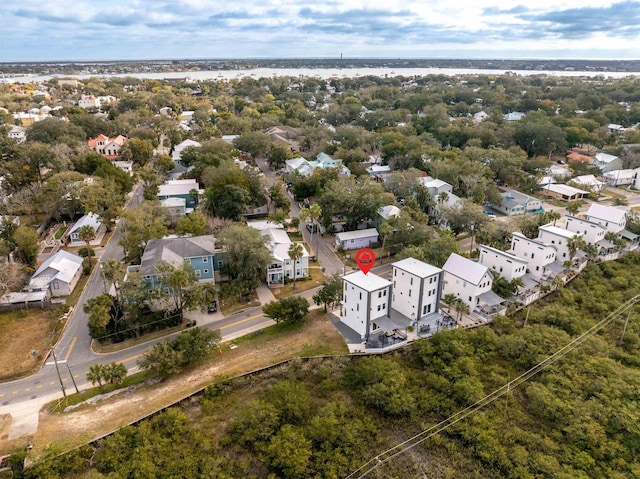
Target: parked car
213	307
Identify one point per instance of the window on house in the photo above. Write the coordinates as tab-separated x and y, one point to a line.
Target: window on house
428	308
205	259
198	273
374	326
379	307
384	306
411	282
55	285
424	309
409	293
360	295
379	294
357	306
469	298
206	270
385	293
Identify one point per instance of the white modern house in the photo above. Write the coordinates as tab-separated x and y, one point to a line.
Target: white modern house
507	265
282	265
612	218
558	237
416	288
606	162
357	239
18	133
469	281
299	165
590	231
389	211
58	275
365	299
540	256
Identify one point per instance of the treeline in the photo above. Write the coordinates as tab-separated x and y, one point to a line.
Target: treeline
324	418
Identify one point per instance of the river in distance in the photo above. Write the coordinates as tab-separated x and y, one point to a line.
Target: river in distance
321	73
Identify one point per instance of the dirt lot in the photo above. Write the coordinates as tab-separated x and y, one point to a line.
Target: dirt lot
25	330
316	337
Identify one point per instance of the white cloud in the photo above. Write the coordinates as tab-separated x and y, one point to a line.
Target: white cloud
111	29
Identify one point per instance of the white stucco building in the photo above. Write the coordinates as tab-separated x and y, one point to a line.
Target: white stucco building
558	237
467	280
591	232
507	265
540	256
365	298
416	288
613	219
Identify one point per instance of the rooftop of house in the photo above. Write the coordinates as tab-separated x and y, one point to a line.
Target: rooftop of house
174	251
620	174
465	269
535	241
358	234
565	190
505	254
607	213
66	264
416	267
557	231
517	197
369	282
389	211
587	180
90	219
605	157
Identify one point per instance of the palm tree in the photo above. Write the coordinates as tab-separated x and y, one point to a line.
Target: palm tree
449	300
516	284
591	250
115	373
574	244
295	253
315	212
385	230
96	374
87	234
443	198
554	215
111	274
573	207
461	308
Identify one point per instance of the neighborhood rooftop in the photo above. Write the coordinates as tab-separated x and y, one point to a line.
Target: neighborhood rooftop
174	251
416	267
358	234
608	213
465	269
368	282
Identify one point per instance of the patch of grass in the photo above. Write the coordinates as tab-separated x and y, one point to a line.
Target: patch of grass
317	279
236	306
21	332
129	343
77	398
73	298
612	194
61	231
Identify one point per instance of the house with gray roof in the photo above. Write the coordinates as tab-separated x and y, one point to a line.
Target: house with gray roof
199	251
90	219
514	203
470	283
606	162
58	275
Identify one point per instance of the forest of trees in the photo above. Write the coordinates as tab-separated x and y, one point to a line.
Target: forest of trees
326	417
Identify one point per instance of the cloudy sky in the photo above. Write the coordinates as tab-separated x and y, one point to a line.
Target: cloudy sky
37	30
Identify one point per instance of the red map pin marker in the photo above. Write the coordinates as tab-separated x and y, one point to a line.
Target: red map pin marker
365	258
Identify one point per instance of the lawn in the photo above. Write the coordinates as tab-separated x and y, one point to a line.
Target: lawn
129	343
317	279
61	231
22	332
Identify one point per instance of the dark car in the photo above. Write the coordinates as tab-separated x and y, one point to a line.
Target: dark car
213	307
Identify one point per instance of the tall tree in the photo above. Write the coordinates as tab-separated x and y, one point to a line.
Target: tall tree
331	293
296	251
289	310
27	244
139	225
247	256
87	234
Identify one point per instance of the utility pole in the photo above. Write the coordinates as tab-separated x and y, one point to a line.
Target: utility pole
624	329
55	361
73	379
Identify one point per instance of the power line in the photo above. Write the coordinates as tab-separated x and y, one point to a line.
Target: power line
410	443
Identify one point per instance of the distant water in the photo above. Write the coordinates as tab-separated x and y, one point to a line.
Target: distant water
322	73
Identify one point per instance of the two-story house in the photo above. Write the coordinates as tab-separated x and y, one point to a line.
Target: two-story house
107	147
187	190
540	256
469	281
416	289
590	231
199	251
613	219
282	266
606	162
558	237
507	265
365	299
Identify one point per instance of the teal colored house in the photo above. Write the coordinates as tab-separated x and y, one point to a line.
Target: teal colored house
188	190
199	251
